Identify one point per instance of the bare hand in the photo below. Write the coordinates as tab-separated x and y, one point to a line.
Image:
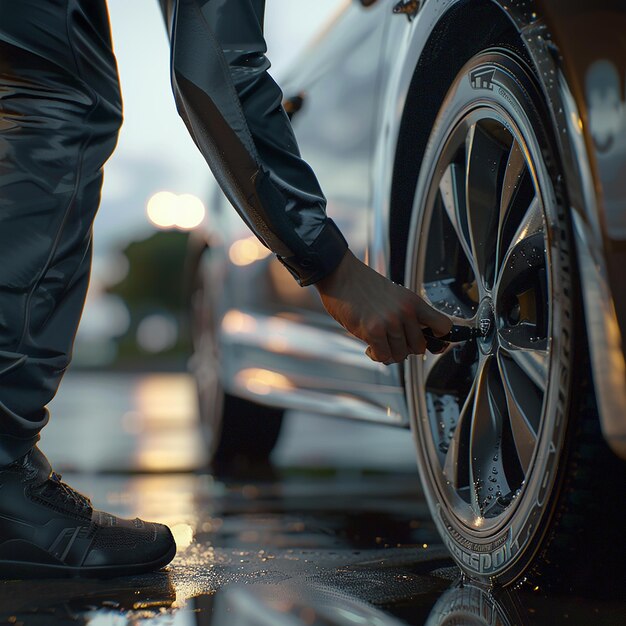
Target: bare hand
386	316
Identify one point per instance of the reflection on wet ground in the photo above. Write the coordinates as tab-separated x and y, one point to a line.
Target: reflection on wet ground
331	535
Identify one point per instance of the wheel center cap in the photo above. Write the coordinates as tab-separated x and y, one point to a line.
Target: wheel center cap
486	320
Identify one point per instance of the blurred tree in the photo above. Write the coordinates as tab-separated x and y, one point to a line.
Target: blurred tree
156	271
154	287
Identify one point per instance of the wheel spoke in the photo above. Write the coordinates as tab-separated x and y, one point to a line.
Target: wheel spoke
449	372
515	168
434	364
521	289
481	423
456	461
526	253
485	157
524	403
533	363
525	338
452	188
515	187
487	473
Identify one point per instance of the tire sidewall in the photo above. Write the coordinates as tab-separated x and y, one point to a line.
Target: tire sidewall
499	79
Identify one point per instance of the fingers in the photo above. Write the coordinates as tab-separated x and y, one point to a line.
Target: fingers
439	323
393	327
398	343
393	339
389	342
387	345
414	337
379	350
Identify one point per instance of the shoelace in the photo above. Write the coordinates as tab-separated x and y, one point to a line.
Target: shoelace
67	493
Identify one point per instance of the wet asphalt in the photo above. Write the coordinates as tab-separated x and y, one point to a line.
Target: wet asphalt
334	532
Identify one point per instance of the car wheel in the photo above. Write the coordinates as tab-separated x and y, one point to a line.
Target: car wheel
505	425
238	434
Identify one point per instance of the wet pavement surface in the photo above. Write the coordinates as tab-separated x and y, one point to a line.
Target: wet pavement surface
336	532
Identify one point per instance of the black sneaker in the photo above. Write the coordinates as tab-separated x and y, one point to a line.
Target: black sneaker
49	530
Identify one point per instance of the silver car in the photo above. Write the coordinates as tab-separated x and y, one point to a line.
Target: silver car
476	152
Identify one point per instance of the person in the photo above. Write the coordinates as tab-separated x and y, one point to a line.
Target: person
60	112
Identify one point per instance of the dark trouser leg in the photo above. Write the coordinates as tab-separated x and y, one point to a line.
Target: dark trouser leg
60	112
233	110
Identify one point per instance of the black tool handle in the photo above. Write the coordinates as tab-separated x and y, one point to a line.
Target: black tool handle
456	335
438	344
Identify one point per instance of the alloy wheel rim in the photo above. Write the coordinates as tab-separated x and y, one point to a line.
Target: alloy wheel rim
483	258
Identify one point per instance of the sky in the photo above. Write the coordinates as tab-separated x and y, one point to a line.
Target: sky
154	151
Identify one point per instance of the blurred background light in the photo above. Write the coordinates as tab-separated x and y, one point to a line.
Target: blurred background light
183	535
161	209
191	211
262	382
237	322
248	250
157	332
168	210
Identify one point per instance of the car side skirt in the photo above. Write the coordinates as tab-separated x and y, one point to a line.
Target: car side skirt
280	361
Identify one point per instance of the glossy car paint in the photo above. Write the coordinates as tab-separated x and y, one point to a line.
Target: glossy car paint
276	343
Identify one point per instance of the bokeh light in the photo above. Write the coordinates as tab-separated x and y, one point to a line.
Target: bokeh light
162	209
262	382
246	251
157	332
168	210
191	211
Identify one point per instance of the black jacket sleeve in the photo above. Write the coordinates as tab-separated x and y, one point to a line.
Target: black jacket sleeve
233	110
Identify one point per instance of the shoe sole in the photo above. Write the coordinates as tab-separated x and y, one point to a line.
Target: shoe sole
19	570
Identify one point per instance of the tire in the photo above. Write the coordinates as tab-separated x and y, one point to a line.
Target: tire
470	605
248	434
505	426
238	434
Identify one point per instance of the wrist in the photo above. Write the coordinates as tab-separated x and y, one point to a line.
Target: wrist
339	275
